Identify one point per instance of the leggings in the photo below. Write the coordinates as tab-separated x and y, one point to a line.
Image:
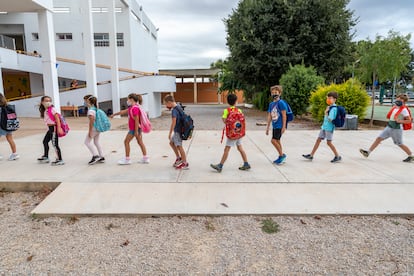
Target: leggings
51	135
95	138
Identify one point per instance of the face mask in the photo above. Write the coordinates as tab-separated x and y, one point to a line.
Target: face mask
275	97
329	101
47	104
129	103
398	103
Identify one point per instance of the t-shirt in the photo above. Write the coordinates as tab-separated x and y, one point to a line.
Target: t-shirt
275	110
91	112
404	113
46	118
327	120
226	112
177	112
132	112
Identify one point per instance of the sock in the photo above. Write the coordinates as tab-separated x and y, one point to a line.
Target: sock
220	165
246	164
127	158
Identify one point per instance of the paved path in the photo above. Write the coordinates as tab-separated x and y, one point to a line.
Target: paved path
381	184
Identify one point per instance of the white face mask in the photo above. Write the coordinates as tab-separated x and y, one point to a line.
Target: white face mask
129	103
47	104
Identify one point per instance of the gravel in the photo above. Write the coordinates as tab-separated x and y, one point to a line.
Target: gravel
327	245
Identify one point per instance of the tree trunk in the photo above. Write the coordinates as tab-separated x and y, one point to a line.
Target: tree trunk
371	121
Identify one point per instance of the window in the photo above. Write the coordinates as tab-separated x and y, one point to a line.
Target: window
102	39
61	10
104	10
64	36
35	36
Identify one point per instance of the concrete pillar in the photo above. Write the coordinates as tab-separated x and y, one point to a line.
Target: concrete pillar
195	89
113	52
1	81
48	51
88	48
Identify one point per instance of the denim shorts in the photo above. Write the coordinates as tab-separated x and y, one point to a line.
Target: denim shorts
176	139
325	134
4	132
132	132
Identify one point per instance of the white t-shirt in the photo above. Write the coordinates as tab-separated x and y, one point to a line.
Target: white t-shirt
404	113
91	112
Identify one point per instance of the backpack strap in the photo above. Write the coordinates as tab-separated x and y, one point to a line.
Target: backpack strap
49	112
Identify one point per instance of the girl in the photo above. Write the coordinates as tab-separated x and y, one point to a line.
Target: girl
8	134
134	129
93	133
53	124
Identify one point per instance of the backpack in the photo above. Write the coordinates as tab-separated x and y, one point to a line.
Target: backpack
339	120
235	124
289	113
405	126
102	122
145	123
186	124
63	124
8	118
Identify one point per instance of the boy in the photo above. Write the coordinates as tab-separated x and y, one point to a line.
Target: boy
231	100
394	128
174	136
327	128
276	114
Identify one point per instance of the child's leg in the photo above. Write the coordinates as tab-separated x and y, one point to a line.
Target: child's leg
88	141
48	137
55	143
225	154
243	153
97	144
316	146
376	143
9	138
141	144
181	150
406	149
332	147
278	146
127	140
174	140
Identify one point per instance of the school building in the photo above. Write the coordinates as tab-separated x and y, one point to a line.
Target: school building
69	48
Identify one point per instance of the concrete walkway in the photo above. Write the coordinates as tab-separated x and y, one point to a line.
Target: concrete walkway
381	184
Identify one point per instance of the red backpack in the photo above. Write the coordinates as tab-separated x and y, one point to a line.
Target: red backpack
405	126
235	124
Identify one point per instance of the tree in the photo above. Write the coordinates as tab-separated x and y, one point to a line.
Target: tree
265	36
382	60
226	78
298	83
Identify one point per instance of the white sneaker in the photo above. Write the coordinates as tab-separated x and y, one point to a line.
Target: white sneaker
124	161
13	156
145	160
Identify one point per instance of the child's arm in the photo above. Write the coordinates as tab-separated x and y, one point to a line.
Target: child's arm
122	112
284	119
269	120
136	120
173	123
406	120
91	122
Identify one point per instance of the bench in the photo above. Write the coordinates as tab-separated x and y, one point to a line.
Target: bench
73	108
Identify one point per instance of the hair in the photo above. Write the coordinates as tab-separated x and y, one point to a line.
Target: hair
333	94
92	101
169	99
87	96
231	99
277	87
403	97
133	96
139	98
42	109
3	100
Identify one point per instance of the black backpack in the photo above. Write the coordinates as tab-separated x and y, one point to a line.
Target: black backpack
186	125
8	118
339	120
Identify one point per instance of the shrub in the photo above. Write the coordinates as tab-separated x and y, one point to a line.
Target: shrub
351	95
298	83
262	99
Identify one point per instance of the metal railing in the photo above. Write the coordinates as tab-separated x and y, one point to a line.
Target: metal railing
7	42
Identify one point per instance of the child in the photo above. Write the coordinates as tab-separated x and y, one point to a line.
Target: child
276	114
174	136
394	128
231	100
93	134
53	124
134	129
327	128
9	137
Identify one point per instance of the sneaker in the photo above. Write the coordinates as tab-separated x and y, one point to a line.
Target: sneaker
245	167
13	156
217	167
365	153
124	161
177	162
336	159
43	159
94	160
145	160
307	156
58	163
280	160
182	166
101	160
409	159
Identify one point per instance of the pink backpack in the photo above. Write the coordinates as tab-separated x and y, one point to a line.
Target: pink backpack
63	124
145	123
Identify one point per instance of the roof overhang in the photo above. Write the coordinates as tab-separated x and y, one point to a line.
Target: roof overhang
25	5
190	73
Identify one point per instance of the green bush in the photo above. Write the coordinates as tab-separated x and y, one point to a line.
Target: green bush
262	99
298	83
351	95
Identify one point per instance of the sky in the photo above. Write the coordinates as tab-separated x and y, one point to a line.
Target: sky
192	32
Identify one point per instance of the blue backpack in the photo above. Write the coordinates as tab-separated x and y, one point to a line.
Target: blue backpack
339	120
289	113
102	122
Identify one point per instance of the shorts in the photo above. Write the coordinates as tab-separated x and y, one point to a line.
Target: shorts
232	143
325	134
395	134
277	133
176	139
4	132
132	132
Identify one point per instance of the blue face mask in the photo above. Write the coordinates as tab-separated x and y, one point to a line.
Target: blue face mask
398	103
